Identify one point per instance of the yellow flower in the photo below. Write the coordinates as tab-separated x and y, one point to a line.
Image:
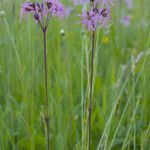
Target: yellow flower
105	40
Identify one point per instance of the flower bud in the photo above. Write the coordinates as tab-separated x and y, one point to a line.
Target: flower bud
62	32
36	16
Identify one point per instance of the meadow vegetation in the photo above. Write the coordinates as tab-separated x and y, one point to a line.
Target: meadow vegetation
121	91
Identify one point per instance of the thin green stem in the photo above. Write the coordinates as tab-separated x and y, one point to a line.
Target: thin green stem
134	104
82	98
46	115
91	93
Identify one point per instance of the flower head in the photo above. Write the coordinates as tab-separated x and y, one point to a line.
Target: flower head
27	8
42	12
96	17
55	8
104	16
90	20
97	14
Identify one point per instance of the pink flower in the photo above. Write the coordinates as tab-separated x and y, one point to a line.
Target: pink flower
129	4
68	11
55	8
94	18
52	8
126	20
97	15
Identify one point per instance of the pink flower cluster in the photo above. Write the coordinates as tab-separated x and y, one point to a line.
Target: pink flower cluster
98	14
48	8
95	17
129	4
126	18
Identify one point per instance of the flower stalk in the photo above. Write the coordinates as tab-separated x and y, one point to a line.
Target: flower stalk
42	14
96	15
46	112
91	92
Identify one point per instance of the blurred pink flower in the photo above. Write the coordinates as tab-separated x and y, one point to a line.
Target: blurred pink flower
126	20
129	4
68	11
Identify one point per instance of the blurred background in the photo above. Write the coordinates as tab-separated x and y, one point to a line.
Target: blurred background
122	77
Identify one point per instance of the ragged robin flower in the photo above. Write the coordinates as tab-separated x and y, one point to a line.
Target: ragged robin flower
96	18
97	15
43	12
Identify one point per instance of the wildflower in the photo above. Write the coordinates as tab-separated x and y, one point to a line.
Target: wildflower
90	19
42	12
27	8
96	15
55	8
93	18
105	17
129	4
126	20
68	11
105	40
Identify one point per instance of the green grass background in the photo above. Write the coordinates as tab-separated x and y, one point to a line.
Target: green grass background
121	106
